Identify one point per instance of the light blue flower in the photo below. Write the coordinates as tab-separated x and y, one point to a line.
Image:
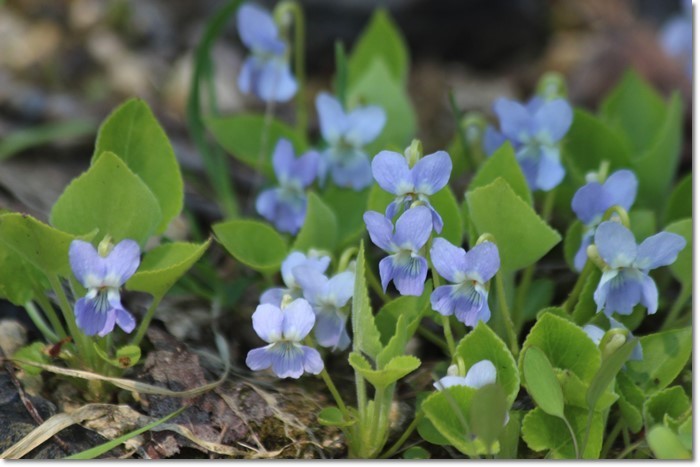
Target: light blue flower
677	37
626	282
102	276
482	373
295	259
285	206
328	298
405	265
346	135
592	200
430	175
535	131
596	334
266	72
284	330
469	271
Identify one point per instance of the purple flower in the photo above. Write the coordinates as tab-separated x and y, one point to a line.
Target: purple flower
592	200
626	282
469	271
284	330
346	134
405	265
479	375
596	334
102	276
285	206
328	298
534	130
266	72
429	175
677	37
295	259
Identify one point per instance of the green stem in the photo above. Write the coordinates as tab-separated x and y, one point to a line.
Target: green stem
376	285
505	314
334	391
523	289
548	204
430	336
571	300
377	418
50	312
610	439
143	327
573	437
345	258
39	322
82	341
631	448
677	307
299	37
400	442
446	328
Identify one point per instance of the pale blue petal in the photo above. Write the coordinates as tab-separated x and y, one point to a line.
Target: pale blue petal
386	271
284	209
589	202
528	158
312	282
413	228
122	262
246	75
298	320
472	307
431	173
255	25
594	332
274	296
409	275
109	323
554	119
601	292
380	230
493	139
441	299
624	291
550	171
351	169
312	360
450	261
480	374
341	288
437	218
582	253
260	358
305	169
125	320
620	189
659	250
288	360
267	322
329	329
331	117
365	124
391	172
482	262
297	258
449	381
616	244
274	81
87	265
88	317
650	295
515	120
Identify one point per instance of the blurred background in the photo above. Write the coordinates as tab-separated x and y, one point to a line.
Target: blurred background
65	64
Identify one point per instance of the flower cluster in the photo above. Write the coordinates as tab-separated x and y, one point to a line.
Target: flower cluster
535	131
102	273
625	281
285	205
594	198
266	72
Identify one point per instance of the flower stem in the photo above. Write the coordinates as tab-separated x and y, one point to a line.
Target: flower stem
505	314
334	391
573	437
446	328
376	286
400	442
611	437
678	305
143	327
294	8
39	322
50	313
80	339
571	300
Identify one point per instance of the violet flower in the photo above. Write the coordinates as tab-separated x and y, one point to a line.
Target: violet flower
292	261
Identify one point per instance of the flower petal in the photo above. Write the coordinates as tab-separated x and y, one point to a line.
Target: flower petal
331	117
305	168
260	358
620	189
298	320
380	230
594	332
255	25
284	209
296	258
550	171
472	307
589	202
449	381
482	261
329	328
122	262
288	360
87	265
267	322
125	320
431	173
274	81
413	228
450	261
493	139
391	172
659	250
109	323
650	295
515	120
437	219
616	244
582	253
341	288
624	292
283	159
351	169
441	299
554	118
313	363
480	374
274	296
364	125
409	275
88	317
312	282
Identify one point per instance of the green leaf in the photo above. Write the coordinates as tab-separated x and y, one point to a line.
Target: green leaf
542	382
566	346
483	344
572	242
586	307
348	206
164	265
665	355
320	229
416	452
111	198
502	163
510	437
630	402
575	391
540	295
365	334
488	413
242	137
642	224
545	432
380	40
133	134
630	414
126	357
607	372
332	416
396	345
394	370
410	307
447	411
685	433
672	402
253	243
376	86
42	246
682	268
496	209
445	203
34	352
680	203
38	135
665	444
19	279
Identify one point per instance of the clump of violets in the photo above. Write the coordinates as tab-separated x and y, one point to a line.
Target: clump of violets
535	130
596	334
284	329
346	134
313	261
469	272
411	179
285	205
266	72
329	299
405	265
102	272
594	198
625	281
479	375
